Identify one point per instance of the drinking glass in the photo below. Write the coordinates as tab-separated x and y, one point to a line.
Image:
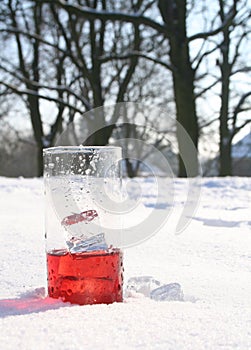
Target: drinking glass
82	192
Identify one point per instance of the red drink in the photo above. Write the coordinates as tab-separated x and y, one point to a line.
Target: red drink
86	278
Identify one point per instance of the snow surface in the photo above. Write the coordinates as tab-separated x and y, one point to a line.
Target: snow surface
210	259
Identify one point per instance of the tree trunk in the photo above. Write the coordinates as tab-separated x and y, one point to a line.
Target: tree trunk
40	164
225	68
225	157
100	137
186	116
225	137
174	15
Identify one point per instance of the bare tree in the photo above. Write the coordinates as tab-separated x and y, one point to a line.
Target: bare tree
24	72
173	21
61	58
58	60
93	52
174	29
235	36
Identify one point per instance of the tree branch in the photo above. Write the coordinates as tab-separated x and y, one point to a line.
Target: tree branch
92	14
29	92
207	88
246	69
236	130
136	54
238	109
204	35
205	54
12	30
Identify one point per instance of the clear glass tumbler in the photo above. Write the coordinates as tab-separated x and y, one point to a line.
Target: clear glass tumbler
82	191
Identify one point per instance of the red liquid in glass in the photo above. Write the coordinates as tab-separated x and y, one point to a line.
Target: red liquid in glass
86	278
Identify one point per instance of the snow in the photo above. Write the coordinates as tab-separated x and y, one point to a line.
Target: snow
210	259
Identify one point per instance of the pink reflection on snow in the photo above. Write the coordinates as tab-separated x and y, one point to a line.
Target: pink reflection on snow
29	302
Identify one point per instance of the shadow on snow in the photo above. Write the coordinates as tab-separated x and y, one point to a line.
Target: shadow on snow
29	302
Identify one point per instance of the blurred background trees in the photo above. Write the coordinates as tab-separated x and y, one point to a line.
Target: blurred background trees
61	59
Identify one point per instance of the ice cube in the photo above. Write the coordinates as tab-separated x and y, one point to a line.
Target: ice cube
167	292
85	216
142	284
97	242
83	232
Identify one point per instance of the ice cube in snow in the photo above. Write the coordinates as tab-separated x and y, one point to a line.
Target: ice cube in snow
168	292
142	284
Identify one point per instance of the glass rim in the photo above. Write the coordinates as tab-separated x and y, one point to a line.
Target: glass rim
73	149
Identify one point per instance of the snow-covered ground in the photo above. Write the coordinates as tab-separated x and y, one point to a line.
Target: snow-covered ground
210	259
